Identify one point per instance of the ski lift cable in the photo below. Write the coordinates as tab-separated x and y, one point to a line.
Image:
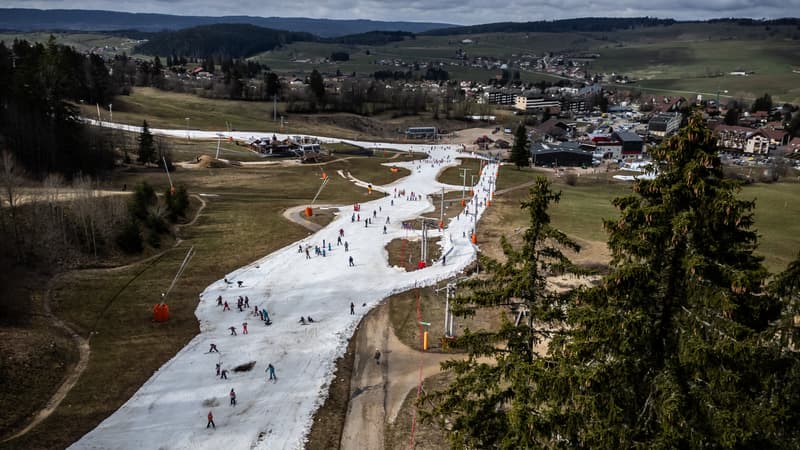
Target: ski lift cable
182	267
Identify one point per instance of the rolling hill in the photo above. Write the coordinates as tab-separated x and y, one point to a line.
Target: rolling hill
22	19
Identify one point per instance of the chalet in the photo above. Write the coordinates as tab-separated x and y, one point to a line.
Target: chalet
483	142
563	154
551	130
777	138
667	105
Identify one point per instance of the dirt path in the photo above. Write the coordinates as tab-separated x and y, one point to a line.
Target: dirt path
82	343
72	376
378	390
296	214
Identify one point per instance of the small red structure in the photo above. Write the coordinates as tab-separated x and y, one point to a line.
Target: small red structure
160	312
421	265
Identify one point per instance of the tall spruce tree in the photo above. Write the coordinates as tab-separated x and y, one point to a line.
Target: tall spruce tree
147	148
490	402
520	154
680	346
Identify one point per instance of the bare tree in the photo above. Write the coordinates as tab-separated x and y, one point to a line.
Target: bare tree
12	178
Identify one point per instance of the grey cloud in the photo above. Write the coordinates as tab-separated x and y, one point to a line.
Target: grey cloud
452	11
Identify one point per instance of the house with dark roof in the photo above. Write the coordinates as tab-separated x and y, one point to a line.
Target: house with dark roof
551	129
561	154
632	143
664	124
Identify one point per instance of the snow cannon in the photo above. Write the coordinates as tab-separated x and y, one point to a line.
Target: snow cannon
309	211
160	312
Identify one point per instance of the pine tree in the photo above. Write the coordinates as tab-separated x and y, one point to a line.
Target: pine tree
520	154
147	149
676	347
490	402
317	85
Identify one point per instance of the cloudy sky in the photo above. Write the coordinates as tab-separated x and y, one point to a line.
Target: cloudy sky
465	12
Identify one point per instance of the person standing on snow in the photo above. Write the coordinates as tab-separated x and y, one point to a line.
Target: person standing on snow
211	421
218	366
224	374
233	331
244	328
352	308
352	264
213	348
346	246
225	307
233	397
271	371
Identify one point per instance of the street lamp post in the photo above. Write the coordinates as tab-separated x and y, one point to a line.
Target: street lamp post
187	129
110	113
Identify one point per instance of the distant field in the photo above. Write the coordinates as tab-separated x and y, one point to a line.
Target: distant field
679	59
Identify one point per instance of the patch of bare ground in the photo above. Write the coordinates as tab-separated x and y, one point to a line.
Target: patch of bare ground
428	433
406	253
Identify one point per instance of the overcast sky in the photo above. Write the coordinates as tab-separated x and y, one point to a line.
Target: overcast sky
465	12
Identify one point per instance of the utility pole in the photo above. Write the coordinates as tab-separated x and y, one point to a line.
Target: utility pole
463	183
441	212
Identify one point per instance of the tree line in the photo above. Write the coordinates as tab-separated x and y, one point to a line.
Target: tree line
39	83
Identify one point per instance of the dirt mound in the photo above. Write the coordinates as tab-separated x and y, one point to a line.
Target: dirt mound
206	162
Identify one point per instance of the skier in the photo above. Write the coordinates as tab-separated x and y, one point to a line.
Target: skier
353	218
213	348
271	371
366	223
244	328
387	220
384	229
211	421
225	307
308	256
246	302
266	316
239	283
233	397
302	320
218	369
329	246
233	331
219	301
377	356
339	241
299	249
310	320
444	259
346	246
341	232
224	374
352	264
352	308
